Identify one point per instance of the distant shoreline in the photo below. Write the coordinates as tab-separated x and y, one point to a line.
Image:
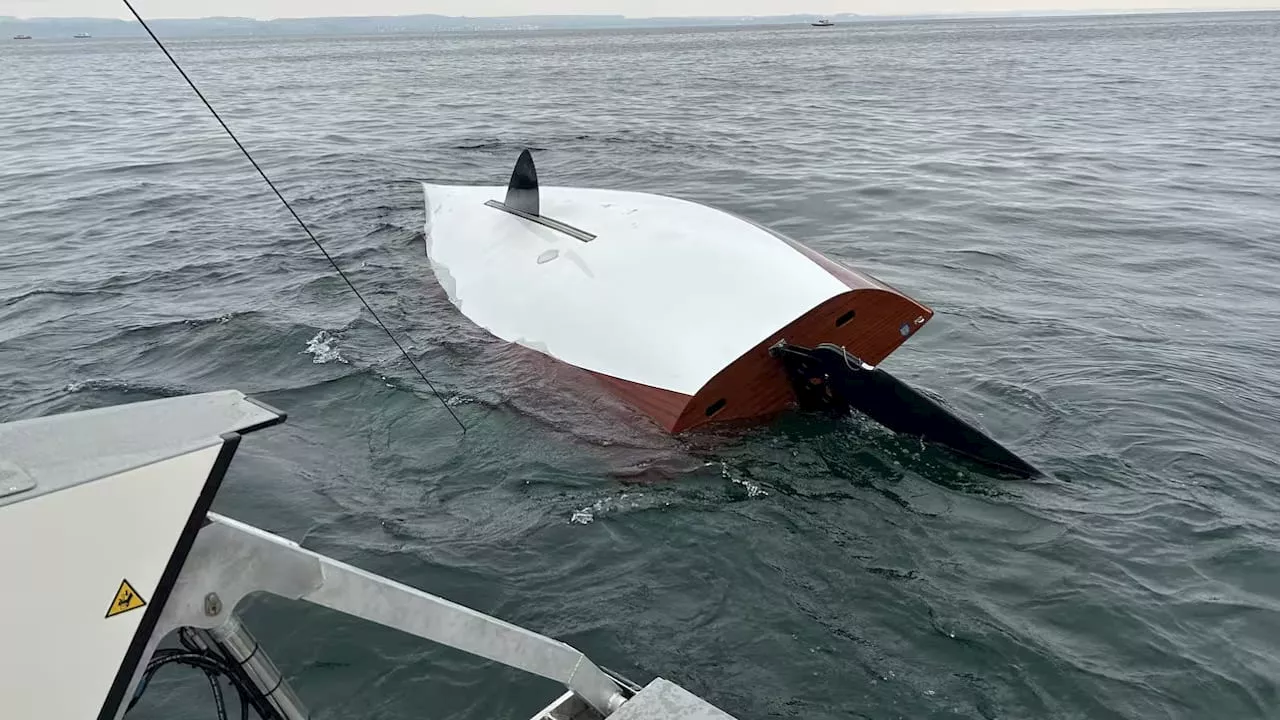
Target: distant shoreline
55	28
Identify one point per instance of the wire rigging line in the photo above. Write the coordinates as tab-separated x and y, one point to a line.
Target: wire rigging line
296	217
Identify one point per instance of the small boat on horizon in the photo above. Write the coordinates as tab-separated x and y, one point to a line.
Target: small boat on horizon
81	35
823	22
21	37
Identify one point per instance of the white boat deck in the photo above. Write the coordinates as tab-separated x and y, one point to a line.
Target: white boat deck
144	475
46	454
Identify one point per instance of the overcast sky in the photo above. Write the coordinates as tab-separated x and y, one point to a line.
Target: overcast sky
635	8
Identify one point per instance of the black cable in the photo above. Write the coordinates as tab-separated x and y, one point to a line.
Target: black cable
220	705
214	665
295	215
260	700
211	667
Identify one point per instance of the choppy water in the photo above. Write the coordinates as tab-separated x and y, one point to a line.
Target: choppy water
1092	206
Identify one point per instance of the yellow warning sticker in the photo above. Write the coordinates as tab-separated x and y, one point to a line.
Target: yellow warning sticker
126	599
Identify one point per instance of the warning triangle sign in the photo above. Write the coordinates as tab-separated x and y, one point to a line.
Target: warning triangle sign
126	599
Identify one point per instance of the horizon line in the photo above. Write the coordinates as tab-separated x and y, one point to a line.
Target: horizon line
624	16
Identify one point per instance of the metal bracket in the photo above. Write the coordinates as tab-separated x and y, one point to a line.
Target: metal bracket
233	559
544	221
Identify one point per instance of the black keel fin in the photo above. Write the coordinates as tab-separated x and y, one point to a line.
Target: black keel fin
522	191
827	378
522	200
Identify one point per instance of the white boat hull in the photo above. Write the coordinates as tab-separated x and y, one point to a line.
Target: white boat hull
672	304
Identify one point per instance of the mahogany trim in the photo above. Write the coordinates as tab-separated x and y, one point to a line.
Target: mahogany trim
755	385
664	406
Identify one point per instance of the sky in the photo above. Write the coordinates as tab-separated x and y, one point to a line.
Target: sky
265	9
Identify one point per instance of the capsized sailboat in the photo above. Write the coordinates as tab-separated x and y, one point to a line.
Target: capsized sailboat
689	313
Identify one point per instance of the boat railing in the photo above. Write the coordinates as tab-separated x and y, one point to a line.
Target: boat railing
231	560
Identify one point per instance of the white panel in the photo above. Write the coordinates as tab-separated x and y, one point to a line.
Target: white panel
109	439
668	294
64	555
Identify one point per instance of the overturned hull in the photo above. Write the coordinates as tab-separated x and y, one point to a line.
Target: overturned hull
673	305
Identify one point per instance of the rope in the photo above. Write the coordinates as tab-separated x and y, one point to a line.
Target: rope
296	217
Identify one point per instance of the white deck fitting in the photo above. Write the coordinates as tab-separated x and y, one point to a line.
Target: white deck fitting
668	294
659	700
664	700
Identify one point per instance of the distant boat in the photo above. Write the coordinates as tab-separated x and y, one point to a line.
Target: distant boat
823	23
21	37
82	36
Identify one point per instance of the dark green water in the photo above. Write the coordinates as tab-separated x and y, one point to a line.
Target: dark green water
1091	206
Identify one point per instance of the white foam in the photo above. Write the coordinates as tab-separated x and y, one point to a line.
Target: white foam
604	506
323	348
